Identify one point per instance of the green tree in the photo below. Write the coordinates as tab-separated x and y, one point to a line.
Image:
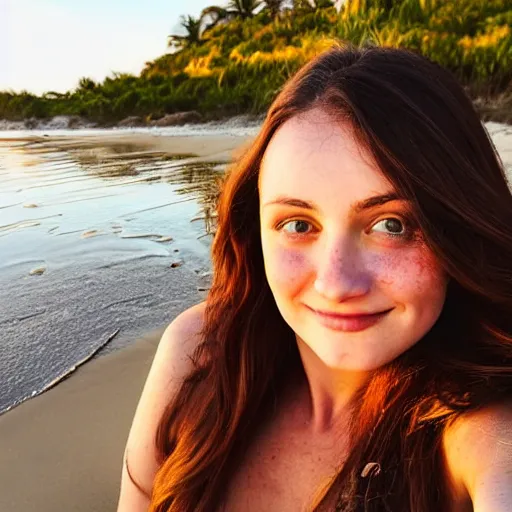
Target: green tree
193	32
244	8
235	9
87	84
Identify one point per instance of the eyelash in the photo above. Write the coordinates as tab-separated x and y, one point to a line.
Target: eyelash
409	226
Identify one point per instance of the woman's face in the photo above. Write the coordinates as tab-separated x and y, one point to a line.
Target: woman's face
348	269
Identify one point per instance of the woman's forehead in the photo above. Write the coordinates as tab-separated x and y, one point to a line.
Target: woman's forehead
314	158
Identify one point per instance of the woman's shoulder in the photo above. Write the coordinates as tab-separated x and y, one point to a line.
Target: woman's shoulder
172	361
478	455
184	332
171	365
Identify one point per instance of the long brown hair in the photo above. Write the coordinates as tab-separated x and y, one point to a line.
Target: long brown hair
422	131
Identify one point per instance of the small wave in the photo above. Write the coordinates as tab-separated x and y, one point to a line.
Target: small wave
63	376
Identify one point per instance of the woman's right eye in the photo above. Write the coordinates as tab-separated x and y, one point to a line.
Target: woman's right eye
296	227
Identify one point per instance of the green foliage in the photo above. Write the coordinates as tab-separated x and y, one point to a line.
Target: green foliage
235	59
193	31
274	6
86	84
244	8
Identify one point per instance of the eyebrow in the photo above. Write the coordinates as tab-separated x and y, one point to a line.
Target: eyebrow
358	206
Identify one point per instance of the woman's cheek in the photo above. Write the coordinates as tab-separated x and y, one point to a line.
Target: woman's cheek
286	266
411	272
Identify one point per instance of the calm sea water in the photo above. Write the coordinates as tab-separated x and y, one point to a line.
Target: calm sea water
96	238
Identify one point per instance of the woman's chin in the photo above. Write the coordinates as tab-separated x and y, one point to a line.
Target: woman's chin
342	359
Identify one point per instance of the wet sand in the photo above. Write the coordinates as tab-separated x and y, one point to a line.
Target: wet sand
206	147
63	450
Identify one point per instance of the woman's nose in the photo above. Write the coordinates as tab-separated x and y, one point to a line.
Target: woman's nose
341	273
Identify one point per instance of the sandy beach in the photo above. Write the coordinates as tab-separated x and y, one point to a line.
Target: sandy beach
63	450
206	147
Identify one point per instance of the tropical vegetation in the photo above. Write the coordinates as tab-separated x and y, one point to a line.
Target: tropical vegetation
234	58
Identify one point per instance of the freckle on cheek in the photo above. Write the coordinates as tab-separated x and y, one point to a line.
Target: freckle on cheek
287	265
406	271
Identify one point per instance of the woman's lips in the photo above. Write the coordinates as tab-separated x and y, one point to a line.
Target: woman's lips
348	323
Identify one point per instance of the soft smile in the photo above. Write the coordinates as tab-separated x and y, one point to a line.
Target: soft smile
348	323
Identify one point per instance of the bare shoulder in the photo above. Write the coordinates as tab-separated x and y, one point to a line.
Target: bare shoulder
172	361
478	452
181	338
171	365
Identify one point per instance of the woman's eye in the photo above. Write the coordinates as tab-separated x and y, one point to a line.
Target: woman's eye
296	227
392	226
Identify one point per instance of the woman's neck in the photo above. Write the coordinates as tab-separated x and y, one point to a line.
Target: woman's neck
327	393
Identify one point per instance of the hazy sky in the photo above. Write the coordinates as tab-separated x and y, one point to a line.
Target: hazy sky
47	45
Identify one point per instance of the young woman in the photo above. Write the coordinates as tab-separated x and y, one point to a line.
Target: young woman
355	349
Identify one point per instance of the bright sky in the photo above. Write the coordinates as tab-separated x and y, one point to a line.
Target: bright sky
48	45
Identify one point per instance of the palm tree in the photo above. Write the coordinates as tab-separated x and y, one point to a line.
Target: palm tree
235	9
194	30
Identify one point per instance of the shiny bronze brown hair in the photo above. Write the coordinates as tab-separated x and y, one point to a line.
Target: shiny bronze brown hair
424	135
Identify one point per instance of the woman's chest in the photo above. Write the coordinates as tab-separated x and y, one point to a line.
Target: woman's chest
284	473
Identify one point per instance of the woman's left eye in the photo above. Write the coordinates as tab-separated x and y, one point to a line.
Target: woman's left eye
392	226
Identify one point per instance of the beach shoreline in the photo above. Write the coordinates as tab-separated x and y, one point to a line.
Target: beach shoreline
99	273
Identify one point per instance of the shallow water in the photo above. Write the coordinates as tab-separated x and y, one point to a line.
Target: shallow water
61	201
88	234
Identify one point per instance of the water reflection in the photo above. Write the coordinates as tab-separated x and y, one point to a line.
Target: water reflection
202	180
64	164
120	159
